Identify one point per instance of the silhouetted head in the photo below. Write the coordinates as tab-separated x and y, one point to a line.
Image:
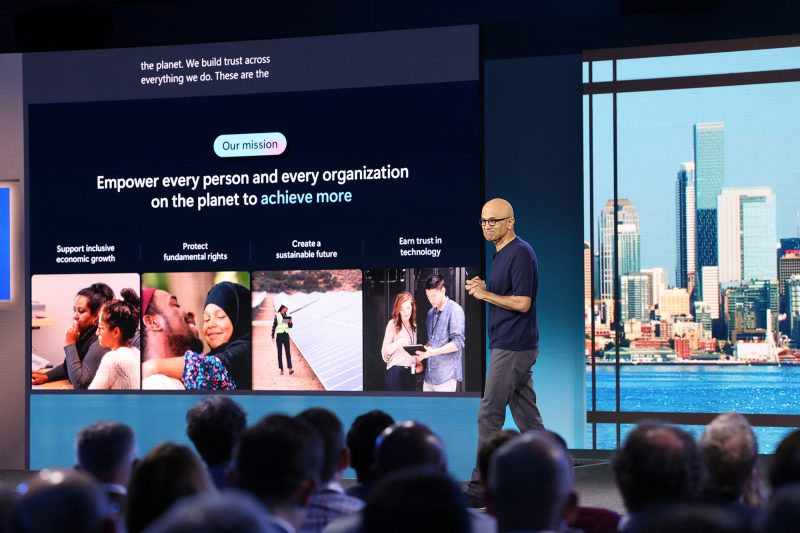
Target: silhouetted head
530	483
56	501
658	464
409	444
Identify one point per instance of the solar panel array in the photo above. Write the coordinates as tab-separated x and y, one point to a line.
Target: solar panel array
327	328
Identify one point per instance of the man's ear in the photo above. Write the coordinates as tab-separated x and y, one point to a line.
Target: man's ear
151	323
344	459
305	491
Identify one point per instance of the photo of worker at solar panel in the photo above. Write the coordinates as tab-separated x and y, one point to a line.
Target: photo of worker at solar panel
196	331
421	332
307	330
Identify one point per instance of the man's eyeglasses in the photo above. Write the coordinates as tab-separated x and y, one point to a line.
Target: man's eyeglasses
491	221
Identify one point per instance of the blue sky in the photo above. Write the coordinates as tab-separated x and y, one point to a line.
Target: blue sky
655	134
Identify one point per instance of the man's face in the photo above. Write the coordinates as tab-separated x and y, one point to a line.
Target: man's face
179	325
492	212
436	297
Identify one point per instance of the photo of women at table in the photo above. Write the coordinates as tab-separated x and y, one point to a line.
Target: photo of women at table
421	333
179	354
401	331
66	317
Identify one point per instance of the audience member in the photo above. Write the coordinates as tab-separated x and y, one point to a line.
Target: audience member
361	442
165	475
402	446
486	452
279	461
329	502
729	450
8	499
107	451
408	444
690	518
227	512
587	519
657	465
785	467
62	501
214	425
416	499
782	513
530	483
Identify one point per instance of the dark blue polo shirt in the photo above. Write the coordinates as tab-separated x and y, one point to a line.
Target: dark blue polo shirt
515	272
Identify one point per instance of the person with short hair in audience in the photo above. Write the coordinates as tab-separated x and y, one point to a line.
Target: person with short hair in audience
416	499
657	465
361	442
407	444
587	519
785	466
691	517
62	501
107	451
404	445
782	512
729	450
530	484
329	501
214	425
279	461
8	500
226	512
167	474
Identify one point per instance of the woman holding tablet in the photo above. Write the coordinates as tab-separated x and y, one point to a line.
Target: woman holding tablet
400	331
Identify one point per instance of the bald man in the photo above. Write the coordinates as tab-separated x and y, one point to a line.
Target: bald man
513	330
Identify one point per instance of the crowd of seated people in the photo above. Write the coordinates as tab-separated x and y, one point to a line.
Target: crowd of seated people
283	474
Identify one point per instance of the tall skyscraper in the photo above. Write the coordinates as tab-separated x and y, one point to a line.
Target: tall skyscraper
685	225
587	274
710	292
747	234
635	296
709	176
627	229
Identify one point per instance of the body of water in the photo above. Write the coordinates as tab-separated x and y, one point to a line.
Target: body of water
696	388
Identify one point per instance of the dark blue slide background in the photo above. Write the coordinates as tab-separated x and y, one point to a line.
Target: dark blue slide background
431	129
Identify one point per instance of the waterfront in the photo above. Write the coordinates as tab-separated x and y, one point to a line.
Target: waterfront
702	388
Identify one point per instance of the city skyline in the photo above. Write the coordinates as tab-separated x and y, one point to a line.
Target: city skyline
656	137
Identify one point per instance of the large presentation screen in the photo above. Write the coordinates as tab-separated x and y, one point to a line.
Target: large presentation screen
293	216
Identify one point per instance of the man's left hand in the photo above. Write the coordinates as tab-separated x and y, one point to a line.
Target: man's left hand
477	288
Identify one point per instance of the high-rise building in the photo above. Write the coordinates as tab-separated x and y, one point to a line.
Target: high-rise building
710	290
747	234
587	274
627	230
658	283
635	297
702	315
746	307
685	225
674	302
788	266
792	290
709	176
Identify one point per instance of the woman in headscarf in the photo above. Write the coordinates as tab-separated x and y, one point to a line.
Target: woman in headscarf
227	329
